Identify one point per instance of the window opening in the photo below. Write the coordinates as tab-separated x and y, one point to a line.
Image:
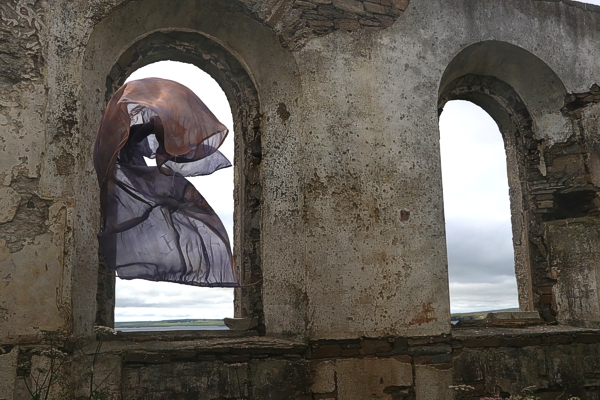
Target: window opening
477	211
146	305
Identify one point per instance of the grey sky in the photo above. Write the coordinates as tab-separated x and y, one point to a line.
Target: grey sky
477	210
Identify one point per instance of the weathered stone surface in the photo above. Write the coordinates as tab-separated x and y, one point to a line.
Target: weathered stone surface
369	378
324	378
590	121
433	383
573	251
240	324
9	202
8	374
339	226
36	288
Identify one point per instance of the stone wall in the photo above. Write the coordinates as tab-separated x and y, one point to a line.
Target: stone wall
546	362
339	215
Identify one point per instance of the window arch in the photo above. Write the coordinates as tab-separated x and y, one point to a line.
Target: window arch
209	56
524	96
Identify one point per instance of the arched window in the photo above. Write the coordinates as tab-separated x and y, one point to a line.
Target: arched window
143	300
242	96
477	211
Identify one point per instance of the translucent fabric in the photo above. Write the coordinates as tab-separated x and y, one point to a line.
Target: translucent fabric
156	225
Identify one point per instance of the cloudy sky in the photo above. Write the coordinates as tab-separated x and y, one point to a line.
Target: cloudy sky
477	210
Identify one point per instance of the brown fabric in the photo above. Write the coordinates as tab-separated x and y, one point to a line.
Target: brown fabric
156	225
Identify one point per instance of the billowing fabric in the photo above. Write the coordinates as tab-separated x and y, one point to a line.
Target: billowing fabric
156	225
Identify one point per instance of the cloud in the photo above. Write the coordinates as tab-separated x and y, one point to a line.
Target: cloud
469	297
477	210
479	253
140	293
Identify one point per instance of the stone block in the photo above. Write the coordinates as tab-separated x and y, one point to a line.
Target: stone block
324	378
36	248
352	6
368	378
240	324
429	350
574	255
305	4
432	383
375	8
347	24
374	346
400	5
557	339
326	350
9	202
8	374
520	341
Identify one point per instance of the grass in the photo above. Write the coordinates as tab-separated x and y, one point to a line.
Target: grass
478	314
170	323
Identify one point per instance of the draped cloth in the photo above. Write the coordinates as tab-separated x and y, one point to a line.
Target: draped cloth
155	224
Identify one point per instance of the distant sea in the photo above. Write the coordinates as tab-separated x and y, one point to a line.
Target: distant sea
172	325
173	328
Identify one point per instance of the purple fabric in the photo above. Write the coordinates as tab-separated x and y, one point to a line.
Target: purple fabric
156	225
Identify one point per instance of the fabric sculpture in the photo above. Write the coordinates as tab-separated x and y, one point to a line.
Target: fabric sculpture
156	225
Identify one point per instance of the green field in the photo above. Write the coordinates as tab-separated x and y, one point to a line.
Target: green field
478	314
169	323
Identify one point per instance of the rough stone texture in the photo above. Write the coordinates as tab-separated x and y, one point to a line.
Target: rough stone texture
554	362
324	378
8	373
36	279
590	123
372	378
296	22
572	247
339	226
433	383
9	203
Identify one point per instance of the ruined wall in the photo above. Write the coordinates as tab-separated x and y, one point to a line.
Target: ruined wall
339	226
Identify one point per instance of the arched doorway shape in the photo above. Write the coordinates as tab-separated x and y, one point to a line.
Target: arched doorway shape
259	76
524	96
212	58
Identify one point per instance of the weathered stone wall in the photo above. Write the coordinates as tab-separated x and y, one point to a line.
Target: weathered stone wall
339	218
545	362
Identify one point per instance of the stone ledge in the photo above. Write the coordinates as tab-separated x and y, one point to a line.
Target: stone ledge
214	346
174	336
540	335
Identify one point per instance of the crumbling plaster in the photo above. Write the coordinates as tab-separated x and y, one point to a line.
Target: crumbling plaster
352	240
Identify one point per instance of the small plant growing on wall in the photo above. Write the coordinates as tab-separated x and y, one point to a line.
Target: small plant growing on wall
244	385
48	377
527	393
